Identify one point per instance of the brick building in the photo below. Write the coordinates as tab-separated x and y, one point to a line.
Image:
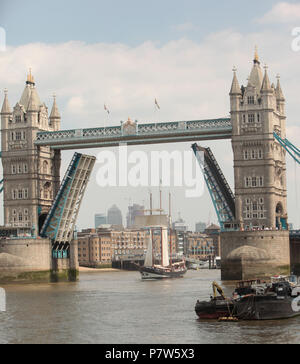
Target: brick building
103	245
199	246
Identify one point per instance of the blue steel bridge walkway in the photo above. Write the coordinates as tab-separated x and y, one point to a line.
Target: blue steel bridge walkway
133	133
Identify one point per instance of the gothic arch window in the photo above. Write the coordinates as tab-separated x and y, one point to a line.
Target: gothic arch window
47	190
45	167
281	218
279	209
254	205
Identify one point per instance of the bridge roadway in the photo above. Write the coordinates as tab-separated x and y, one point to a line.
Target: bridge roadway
134	133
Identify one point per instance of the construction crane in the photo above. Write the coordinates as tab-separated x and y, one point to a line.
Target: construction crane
218	288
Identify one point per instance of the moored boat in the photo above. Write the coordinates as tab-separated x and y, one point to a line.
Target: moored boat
253	300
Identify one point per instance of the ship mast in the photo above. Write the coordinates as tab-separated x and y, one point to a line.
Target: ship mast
170	230
161	246
152	237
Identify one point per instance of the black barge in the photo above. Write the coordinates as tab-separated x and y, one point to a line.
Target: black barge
254	300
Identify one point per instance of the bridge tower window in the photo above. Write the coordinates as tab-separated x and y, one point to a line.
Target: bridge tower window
251	118
251	100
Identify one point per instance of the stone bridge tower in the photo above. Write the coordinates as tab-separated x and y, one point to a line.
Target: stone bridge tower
257	111
31	174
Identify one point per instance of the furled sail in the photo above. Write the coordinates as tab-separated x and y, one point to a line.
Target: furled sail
165	248
149	255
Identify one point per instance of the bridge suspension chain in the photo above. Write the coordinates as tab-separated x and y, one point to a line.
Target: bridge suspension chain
293	151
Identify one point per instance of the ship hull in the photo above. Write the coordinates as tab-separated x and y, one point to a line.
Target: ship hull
250	308
267	308
149	273
214	309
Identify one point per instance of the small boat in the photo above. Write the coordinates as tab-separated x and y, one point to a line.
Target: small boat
166	269
253	300
194	266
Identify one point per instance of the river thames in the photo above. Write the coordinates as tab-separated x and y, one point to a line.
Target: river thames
119	308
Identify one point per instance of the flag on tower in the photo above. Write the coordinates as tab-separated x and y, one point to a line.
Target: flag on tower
106	109
156	104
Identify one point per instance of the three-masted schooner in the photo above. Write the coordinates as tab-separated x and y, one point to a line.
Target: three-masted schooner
166	269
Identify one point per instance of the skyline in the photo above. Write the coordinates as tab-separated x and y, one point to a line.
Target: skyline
177	62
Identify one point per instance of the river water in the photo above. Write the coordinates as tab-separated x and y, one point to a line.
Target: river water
119	308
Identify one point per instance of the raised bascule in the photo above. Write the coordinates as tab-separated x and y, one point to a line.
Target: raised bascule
40	212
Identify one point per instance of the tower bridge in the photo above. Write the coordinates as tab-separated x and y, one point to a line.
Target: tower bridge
133	133
254	221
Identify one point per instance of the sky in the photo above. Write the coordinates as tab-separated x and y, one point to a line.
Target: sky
125	54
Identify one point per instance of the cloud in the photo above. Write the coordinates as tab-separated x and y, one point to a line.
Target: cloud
76	105
282	12
185	27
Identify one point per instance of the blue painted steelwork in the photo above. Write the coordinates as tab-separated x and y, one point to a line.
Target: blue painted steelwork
60	221
293	151
219	190
54	216
134	133
60	254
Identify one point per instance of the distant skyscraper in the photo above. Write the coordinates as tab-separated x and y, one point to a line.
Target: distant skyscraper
114	216
100	219
180	225
133	211
180	228
200	227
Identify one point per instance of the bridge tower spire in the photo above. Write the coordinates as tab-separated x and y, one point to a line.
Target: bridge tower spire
55	117
259	165
31	173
